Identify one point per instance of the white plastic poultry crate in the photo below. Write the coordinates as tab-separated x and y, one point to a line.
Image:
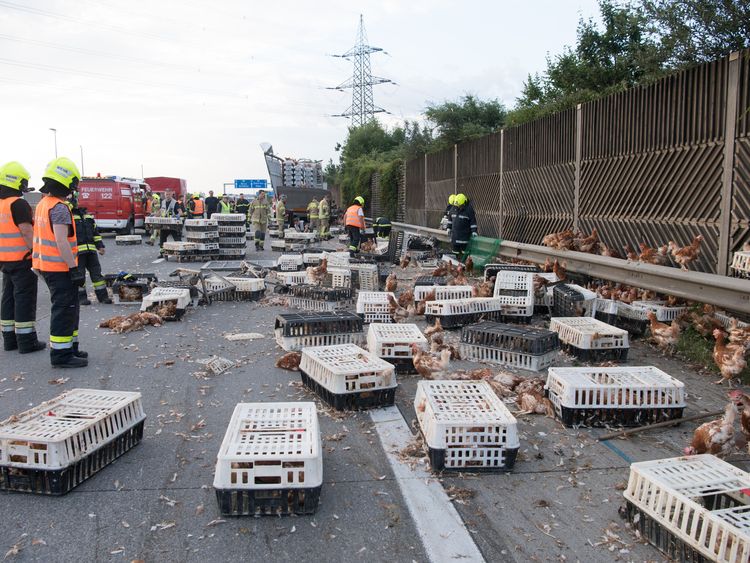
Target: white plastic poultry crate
367	276
590	338
206	246
392	342
663	312
163	295
337	259
232	240
228	229
343	238
312	258
454	313
270	461
466	426
202	223
53	447
318	305
228	217
338	277
164	221
294	332
741	264
290	263
375	306
294	234
692	508
197	236
515	289
273	233
443	292
626	396
128	240
232	252
277	245
726	320
292	278
347	377
180	246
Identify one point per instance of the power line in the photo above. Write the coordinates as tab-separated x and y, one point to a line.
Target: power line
363	107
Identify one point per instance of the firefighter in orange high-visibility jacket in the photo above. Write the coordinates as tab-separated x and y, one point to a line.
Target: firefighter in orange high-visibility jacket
55	257
354	222
18	307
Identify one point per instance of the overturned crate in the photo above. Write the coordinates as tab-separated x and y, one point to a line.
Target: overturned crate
315	298
270	461
692	508
376	306
347	377
290	263
392	343
515	290
570	300
295	331
365	277
172	301
55	446
491	270
622	396
455	313
590	339
442	293
524	347
663	312
466	426
338	277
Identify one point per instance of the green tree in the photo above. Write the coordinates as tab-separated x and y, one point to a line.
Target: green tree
464	119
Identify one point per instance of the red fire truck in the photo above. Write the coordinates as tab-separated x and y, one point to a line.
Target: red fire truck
116	203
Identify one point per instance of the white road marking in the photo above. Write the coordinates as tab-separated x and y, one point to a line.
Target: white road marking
443	533
158	261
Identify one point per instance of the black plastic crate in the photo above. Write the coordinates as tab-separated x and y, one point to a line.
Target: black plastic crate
635	327
62	481
597	354
458	321
232	245
395	246
431	280
304	324
609	318
527	340
492	269
268	502
662	539
403	366
351	401
597	417
126	276
239	295
321	293
565	301
200	229
437	462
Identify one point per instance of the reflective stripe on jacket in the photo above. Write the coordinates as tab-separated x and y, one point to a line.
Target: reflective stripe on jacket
354	216
12	244
324	210
312	209
259	212
198	207
89	239
46	256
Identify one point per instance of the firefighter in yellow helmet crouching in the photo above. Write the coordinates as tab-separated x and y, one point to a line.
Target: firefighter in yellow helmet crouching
18	308
55	257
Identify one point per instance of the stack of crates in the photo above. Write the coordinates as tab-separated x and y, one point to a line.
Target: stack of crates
161	296
290	263
443	292
392	343
741	264
455	313
337	259
466	426
614	396
277	245
205	234
376	306
232	230
182	251
273	228
270	461
515	290
491	270
590	339
295	331
164	223
55	446
347	377
323	299
295	241
570	300
128	240
692	508
365	277
523	347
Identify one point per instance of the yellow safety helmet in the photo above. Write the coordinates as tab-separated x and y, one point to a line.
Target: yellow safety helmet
13	175
156	196
196	195
359	199
451	199
460	200
63	170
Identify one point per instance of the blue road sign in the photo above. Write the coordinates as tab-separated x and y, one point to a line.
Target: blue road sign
250	184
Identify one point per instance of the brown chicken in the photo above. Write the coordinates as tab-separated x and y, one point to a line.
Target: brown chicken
743	400
442	270
531	400
605	250
656	256
406	298
426	364
739	336
130	294
131	323
484	289
589	243
715	437
547	266
559	271
422	305
434	329
391	283
289	361
405	261
317	274
403	313
458	277
730	358
437	345
631	254
166	311
368	246
663	335
687	254
706	323
469	265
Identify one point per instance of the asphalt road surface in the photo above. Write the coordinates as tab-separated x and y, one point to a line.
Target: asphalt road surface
156	503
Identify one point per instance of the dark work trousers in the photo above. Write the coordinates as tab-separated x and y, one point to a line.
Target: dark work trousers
354	238
165	233
63	327
18	309
90	261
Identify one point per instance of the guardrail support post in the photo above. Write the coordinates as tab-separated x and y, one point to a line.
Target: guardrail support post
727	177
577	180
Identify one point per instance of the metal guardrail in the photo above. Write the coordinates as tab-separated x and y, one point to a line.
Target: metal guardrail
728	293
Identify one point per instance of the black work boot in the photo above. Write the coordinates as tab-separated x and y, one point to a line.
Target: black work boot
102	295
83	297
66	359
9	341
79	353
28	343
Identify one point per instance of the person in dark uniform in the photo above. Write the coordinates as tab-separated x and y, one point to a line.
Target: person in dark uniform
242	206
170	207
212	204
18	308
463	223
90	246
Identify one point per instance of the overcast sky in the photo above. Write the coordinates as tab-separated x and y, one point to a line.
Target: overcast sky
190	88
